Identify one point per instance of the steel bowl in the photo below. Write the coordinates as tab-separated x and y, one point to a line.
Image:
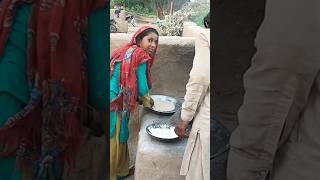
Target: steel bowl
176	103
160	125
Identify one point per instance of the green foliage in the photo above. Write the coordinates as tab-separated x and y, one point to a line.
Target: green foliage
119	2
173	25
149	7
141	10
203	11
140	7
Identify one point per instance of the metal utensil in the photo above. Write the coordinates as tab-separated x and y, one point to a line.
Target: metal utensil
160	126
176	103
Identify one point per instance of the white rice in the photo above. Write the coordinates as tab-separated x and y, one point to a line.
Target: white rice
163	106
165	132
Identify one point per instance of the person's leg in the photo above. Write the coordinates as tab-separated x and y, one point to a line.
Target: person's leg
113	151
123	151
123	160
119	155
195	167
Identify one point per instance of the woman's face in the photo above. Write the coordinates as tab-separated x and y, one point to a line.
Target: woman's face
149	43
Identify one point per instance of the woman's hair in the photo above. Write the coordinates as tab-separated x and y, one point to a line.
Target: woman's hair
145	33
207	20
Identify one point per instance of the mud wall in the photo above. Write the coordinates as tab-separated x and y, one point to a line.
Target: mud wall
173	62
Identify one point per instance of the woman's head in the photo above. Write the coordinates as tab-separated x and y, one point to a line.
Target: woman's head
206	20
148	40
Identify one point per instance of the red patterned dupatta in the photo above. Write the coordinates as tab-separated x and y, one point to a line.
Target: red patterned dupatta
130	56
51	123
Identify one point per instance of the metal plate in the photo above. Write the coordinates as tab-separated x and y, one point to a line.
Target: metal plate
158	126
176	103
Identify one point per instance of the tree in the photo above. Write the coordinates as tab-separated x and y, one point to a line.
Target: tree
159	7
118	2
172	25
170	7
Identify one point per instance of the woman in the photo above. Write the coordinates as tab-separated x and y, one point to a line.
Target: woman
130	81
196	107
44	54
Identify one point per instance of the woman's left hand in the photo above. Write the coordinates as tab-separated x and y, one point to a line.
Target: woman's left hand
151	102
